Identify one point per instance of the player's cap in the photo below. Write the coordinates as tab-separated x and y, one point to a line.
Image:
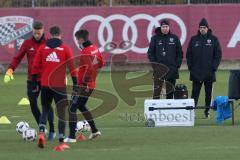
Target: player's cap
203	23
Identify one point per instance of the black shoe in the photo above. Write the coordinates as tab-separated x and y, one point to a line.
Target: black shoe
206	114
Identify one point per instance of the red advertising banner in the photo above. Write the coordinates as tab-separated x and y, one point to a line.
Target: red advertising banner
122	30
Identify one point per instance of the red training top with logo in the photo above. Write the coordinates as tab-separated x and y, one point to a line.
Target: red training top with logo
51	64
29	48
91	61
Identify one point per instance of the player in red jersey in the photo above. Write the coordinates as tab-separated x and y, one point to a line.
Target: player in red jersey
29	48
90	62
50	63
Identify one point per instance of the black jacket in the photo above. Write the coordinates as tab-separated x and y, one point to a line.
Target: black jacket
203	57
166	50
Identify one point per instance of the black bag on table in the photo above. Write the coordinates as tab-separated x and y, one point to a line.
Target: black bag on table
234	84
180	92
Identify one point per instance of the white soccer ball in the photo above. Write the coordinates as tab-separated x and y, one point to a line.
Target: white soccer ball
83	126
21	127
29	135
79	126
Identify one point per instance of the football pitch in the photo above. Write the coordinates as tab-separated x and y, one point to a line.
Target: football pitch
124	135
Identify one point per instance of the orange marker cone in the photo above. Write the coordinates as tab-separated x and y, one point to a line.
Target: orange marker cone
81	137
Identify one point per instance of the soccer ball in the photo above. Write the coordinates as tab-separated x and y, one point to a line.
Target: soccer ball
29	135
21	127
83	126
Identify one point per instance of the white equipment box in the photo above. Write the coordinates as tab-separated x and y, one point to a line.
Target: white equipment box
169	112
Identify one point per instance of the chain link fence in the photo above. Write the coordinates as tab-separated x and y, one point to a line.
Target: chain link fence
106	3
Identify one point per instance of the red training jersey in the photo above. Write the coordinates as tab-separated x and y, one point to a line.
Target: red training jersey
51	64
29	48
91	61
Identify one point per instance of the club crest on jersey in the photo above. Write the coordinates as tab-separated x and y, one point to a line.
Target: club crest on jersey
94	51
196	44
209	41
31	49
159	42
13	31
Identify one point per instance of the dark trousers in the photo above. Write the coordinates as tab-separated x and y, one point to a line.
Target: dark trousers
33	98
157	87
79	101
60	98
196	88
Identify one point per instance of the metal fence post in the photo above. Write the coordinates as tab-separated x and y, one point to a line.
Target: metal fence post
49	3
110	3
33	4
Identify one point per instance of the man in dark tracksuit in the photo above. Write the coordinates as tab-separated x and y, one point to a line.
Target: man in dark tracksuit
165	48
203	58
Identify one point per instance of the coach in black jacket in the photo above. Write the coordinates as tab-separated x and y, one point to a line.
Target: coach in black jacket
203	58
165	48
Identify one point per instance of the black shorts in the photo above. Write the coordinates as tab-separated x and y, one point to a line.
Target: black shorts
49	94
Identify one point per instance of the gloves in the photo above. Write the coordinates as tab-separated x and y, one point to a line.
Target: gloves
35	86
75	86
86	80
214	69
8	76
75	89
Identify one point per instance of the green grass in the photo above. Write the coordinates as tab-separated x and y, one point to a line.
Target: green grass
124	134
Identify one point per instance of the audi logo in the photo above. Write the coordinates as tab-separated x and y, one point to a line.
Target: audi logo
129	24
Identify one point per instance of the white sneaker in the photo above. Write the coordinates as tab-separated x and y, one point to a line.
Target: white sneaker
94	135
70	140
45	131
207	114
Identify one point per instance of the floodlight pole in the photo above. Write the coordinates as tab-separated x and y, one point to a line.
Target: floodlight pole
110	3
33	4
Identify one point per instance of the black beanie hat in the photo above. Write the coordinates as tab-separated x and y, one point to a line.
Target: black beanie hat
203	22
164	22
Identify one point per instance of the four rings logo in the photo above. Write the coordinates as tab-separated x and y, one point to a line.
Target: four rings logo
13	31
129	23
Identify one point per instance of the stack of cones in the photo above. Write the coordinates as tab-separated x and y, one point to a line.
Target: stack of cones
81	137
